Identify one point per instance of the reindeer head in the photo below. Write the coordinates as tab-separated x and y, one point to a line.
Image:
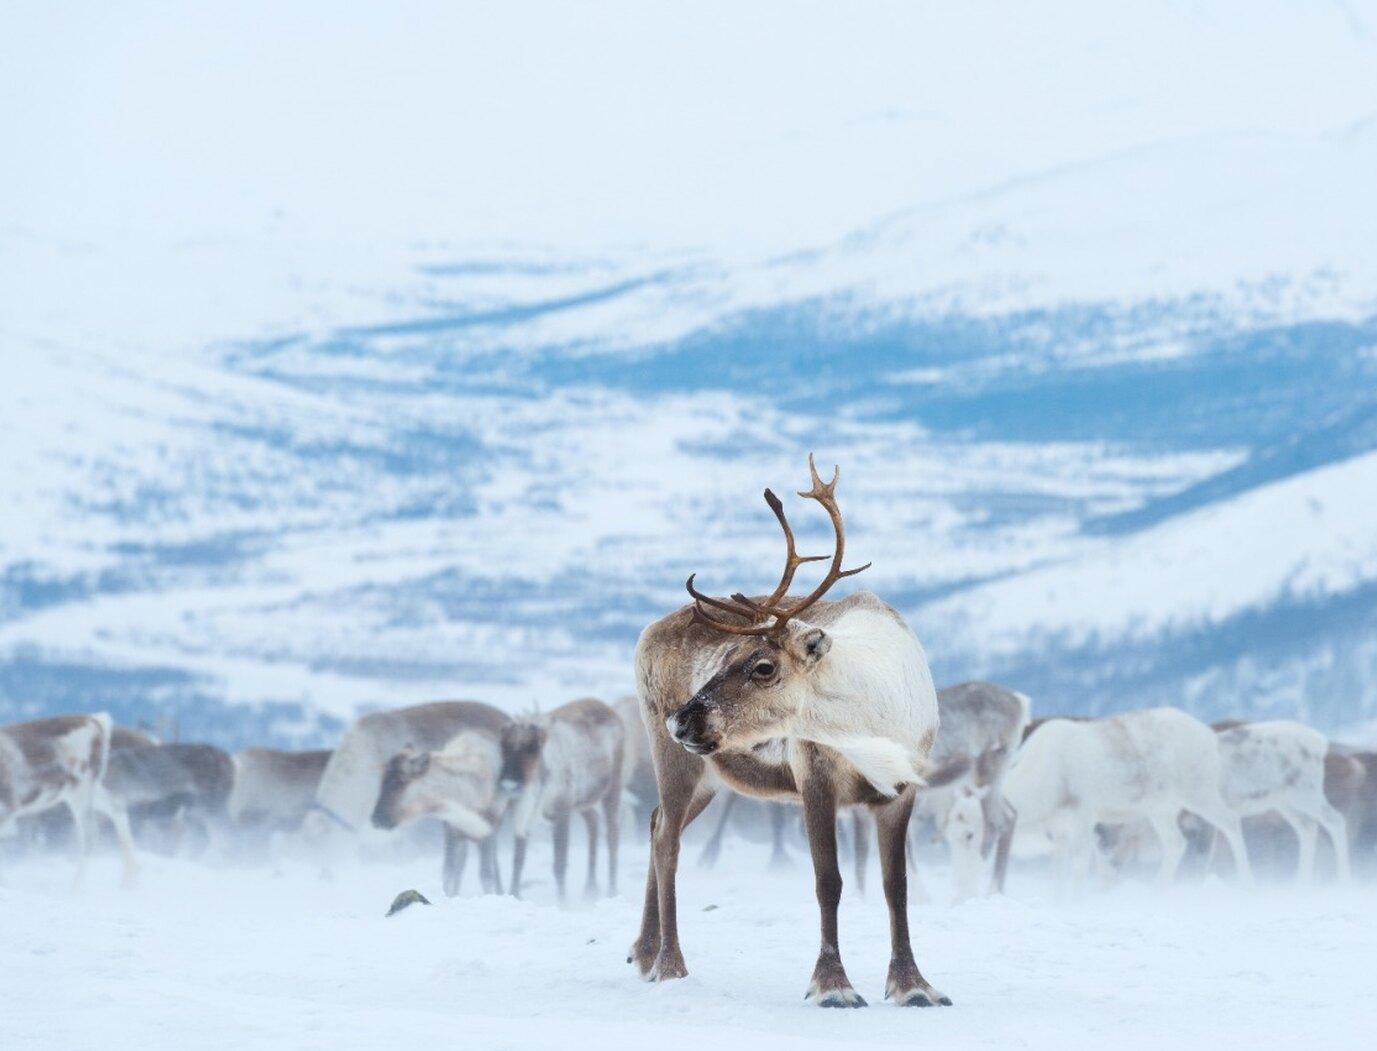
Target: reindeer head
757	683
403	770
521	744
966	818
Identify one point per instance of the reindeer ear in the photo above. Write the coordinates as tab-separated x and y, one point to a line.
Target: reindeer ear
808	645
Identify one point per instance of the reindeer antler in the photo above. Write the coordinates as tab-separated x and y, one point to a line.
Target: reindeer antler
768	617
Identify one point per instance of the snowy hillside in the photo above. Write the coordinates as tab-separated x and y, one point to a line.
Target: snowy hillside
374	358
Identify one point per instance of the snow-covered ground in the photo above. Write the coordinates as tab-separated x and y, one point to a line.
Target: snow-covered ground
233	958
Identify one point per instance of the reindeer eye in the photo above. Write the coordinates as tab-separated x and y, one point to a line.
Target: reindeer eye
763	669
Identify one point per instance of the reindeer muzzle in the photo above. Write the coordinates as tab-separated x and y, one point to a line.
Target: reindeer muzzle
690	727
382	817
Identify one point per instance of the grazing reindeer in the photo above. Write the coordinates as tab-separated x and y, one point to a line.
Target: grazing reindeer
350	783
982	727
457	784
568	761
832	711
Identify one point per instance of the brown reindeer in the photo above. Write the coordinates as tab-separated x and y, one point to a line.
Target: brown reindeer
273	789
832	711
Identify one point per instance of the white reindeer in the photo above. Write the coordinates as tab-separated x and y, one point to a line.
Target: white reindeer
982	726
1151	765
1280	766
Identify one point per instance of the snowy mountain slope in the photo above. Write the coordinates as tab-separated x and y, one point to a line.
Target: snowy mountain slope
347	547
334	390
367	519
1266	601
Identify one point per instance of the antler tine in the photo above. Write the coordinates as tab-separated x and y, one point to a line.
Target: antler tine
700	617
820	488
768	617
747	609
707	600
825	494
792	559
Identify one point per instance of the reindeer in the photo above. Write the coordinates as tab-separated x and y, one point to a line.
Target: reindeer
273	790
638	767
1279	767
457	784
1350	783
568	761
1147	766
171	786
349	786
61	761
982	726
832	711
776	815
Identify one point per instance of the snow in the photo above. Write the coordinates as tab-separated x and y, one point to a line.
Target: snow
226	958
453	192
105	450
1316	538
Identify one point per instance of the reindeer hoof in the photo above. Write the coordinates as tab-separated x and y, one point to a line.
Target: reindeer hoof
918	998
908	989
668	966
844	997
643	956
928	997
831	988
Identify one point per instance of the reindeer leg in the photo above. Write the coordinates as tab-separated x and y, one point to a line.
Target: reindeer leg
80	809
518	863
906	985
612	820
860	845
524	810
656	949
712	849
1004	816
456	854
779	819
830	986
1336	828
1227	824
489	873
561	830
590	885
112	808
647	944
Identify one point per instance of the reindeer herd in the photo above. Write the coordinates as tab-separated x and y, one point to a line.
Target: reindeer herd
824	703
